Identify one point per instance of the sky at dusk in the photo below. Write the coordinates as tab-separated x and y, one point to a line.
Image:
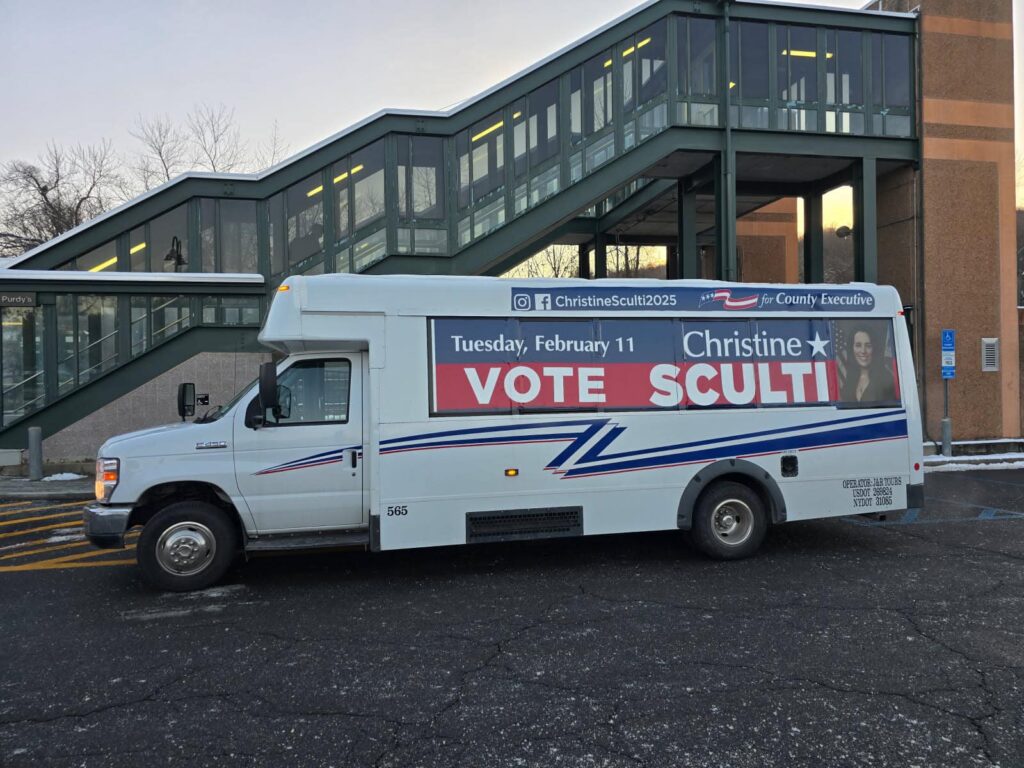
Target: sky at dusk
84	71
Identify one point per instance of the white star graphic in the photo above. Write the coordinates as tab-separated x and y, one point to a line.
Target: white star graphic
818	345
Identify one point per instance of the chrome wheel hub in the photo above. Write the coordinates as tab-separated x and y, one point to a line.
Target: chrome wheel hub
185	549
732	522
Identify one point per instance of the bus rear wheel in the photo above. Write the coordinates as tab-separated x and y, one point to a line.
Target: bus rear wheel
729	521
186	546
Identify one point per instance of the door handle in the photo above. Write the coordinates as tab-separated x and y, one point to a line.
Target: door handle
354	460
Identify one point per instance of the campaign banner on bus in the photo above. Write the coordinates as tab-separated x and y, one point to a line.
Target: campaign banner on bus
690	299
500	365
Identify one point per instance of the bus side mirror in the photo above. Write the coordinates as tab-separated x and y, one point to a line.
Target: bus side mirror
268	387
186	400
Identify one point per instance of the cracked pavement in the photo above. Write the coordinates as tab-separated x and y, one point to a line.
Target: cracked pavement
845	643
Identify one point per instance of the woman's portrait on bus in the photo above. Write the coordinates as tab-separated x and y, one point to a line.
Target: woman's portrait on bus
866	363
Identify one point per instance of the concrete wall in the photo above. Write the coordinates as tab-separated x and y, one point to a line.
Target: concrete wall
219	374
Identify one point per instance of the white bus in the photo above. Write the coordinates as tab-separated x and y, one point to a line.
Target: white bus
431	411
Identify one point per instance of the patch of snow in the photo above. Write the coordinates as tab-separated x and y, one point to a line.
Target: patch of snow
962	467
64	476
69	537
978	458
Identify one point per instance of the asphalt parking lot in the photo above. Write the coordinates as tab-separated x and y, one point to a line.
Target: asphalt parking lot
847	642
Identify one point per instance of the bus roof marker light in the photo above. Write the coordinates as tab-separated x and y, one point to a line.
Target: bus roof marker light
283	288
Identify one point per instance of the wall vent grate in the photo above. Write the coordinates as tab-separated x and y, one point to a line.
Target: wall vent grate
518	524
989	355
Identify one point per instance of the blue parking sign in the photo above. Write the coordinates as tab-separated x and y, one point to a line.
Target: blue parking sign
948	353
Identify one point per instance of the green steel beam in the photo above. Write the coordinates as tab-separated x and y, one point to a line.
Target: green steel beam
865	221
689	263
814	239
139	286
123	379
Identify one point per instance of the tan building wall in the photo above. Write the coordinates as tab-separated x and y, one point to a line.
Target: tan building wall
968	235
767	243
219	374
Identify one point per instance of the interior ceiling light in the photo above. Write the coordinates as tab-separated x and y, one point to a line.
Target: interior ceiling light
805	54
315	191
628	51
110	262
484	132
643	42
516	115
608	63
137	248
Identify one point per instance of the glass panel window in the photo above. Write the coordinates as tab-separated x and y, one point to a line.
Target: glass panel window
597	94
702	63
844	64
23	386
487	156
66	357
275	232
97	336
305	208
798	64
140	324
519	123
752	43
426	182
102	259
897	71
652	72
169	241
138	250
462	153
207	234
876	69
237	236
575	107
170	316
341	180
543	123
367	176
369	250
313	392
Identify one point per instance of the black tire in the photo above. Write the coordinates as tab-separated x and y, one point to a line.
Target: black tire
741	516
194	538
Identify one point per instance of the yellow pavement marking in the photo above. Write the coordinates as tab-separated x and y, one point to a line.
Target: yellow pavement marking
14	504
44	509
51	565
39	529
21	520
131	536
83	555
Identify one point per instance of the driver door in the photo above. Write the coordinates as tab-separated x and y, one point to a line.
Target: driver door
302	470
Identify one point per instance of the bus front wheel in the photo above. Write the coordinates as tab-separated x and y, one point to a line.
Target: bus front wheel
729	521
186	546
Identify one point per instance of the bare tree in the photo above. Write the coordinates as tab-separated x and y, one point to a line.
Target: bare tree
165	151
216	141
554	261
270	152
62	189
624	261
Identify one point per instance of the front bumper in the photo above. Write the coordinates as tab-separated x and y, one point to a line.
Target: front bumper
105	526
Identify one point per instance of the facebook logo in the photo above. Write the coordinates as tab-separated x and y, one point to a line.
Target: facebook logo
542	301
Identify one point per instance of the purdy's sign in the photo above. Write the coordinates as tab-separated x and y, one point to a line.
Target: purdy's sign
500	365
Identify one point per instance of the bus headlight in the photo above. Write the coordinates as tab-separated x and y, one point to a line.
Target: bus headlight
108	472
